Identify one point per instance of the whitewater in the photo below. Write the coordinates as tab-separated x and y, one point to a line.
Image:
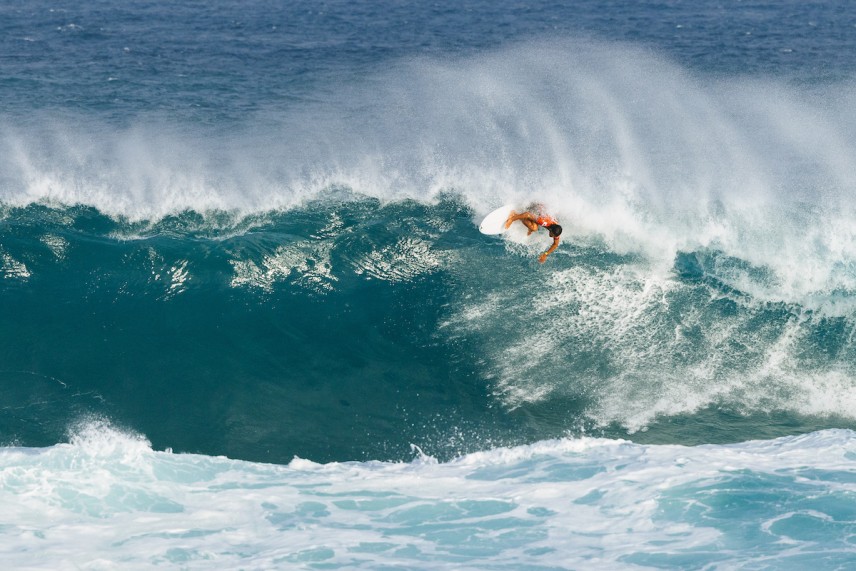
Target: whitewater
106	500
247	320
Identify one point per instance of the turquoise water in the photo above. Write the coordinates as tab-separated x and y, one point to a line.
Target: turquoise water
352	329
249	231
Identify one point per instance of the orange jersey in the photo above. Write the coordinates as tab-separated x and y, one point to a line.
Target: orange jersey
545	221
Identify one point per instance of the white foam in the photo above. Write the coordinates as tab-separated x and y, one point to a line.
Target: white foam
107	500
631	343
11	268
400	262
57	244
306	261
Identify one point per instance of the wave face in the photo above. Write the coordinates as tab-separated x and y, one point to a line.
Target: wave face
107	500
260	336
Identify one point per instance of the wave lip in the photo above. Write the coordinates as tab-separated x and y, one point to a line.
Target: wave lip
554	504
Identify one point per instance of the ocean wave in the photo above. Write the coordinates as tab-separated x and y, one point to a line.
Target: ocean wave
595	339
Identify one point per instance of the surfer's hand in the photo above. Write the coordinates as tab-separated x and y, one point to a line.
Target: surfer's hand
542	257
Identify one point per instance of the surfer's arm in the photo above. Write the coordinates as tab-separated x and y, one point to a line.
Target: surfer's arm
552	248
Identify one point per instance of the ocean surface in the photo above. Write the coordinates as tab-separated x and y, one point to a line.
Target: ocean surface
247	320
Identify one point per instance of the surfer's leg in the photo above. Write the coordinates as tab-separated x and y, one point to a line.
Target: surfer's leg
531	225
524	217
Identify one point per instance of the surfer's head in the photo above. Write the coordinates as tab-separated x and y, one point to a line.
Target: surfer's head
554	230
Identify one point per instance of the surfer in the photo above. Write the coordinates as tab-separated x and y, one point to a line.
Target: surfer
533	222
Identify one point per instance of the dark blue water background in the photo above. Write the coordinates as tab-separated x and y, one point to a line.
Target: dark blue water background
210	62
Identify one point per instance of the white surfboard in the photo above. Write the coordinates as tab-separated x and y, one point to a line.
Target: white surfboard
494	223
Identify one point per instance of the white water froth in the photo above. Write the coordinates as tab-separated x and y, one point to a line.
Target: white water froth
308	260
630	344
13	269
106	500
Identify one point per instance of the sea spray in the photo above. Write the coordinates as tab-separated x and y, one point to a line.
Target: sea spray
623	145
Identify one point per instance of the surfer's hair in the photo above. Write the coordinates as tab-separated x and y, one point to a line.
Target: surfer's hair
554	229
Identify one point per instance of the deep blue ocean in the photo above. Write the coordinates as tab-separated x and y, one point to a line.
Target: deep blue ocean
247	319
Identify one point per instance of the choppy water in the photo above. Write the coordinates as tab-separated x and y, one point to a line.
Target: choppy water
250	230
106	500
